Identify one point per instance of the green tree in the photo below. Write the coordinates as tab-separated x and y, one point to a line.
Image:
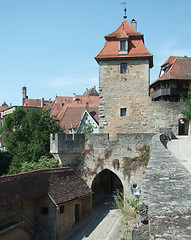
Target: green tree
43	162
5	160
28	136
187	110
87	128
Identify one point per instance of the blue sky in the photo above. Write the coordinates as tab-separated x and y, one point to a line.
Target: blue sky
49	45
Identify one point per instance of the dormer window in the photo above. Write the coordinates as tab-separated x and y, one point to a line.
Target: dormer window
123	47
164	69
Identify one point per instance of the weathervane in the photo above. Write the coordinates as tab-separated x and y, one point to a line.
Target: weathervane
125	16
125	10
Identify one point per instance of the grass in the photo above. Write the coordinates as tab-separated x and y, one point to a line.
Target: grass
128	210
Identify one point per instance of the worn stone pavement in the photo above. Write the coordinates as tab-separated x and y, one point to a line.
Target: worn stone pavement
181	148
104	224
165	203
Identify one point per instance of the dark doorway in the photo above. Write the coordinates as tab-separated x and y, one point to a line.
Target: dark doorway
77	213
106	183
183	126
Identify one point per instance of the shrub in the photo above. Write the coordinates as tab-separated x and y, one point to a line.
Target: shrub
107	153
131	164
115	164
128	210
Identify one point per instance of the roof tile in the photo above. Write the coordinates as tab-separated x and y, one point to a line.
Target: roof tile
62	184
179	69
136	46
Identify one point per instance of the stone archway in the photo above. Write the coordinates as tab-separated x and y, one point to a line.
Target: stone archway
183	126
106	183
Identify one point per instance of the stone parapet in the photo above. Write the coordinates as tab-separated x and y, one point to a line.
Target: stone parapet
166	197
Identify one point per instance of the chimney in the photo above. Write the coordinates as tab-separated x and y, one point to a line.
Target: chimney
61	103
134	24
74	97
42	103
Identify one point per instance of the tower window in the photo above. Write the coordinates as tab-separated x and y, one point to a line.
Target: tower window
123	112
123	68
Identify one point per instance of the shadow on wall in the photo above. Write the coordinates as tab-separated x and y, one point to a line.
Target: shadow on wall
106	183
183	126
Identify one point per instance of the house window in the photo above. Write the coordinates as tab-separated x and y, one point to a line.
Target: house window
62	209
44	210
123	112
123	68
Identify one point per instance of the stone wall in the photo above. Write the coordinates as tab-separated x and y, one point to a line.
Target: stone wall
100	153
165	115
131	91
124	90
46	220
166	197
66	219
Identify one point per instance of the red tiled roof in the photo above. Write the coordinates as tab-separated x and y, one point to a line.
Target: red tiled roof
2	108
136	46
170	60
35	103
179	69
62	184
69	110
72	116
122	35
126	27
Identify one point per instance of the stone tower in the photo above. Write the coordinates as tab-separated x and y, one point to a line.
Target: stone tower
124	76
24	95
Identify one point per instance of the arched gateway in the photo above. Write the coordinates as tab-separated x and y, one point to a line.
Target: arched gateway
107	183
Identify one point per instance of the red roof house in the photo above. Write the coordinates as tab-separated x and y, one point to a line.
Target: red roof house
69	110
174	79
31	202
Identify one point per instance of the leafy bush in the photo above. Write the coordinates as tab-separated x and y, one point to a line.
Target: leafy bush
42	163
